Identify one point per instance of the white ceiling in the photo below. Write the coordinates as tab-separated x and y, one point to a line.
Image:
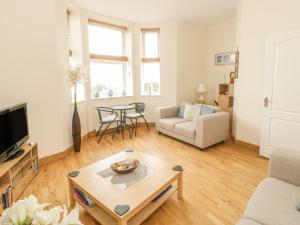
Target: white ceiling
143	11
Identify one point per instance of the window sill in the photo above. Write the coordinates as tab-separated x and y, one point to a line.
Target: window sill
145	95
107	97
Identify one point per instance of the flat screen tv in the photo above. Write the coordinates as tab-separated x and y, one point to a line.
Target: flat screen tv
13	131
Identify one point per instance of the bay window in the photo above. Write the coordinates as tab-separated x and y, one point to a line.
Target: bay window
150	71
109	68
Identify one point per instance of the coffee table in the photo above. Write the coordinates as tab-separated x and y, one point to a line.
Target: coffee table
140	192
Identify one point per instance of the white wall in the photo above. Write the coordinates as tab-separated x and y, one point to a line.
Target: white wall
257	20
219	38
33	59
190	61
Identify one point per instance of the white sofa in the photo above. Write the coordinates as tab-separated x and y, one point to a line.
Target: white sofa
202	131
276	198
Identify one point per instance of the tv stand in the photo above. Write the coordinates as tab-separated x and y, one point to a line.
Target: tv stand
17	173
17	153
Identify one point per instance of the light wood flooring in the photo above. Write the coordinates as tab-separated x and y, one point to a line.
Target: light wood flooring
218	182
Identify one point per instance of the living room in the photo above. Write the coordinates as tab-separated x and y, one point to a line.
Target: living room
210	102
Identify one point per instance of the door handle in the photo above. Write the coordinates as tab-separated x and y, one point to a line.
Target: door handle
266	102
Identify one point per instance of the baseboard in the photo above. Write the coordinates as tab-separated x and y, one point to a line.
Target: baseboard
245	144
60	155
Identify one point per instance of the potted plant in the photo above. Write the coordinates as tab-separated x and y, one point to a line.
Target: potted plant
77	74
98	89
29	212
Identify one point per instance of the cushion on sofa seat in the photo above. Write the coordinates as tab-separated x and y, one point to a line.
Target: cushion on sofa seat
274	203
246	221
169	123
187	129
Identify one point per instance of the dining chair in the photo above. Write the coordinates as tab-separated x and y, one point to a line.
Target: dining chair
107	117
139	112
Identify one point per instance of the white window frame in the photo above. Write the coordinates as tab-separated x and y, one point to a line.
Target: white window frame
149	60
112	58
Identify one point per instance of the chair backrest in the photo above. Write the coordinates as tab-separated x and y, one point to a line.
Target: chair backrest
101	110
139	107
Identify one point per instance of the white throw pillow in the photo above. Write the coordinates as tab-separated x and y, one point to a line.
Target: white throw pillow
188	112
196	109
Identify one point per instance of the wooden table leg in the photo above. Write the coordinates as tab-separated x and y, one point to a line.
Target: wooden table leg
71	199
122	222
180	186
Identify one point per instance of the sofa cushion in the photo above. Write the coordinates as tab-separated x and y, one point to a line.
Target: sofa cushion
186	129
216	108
274	203
246	221
169	123
180	111
188	112
205	110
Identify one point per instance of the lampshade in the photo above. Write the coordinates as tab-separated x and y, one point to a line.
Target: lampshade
201	88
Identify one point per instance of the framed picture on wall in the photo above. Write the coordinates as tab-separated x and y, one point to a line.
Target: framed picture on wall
226	58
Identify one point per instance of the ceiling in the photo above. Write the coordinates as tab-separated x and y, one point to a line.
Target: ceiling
204	12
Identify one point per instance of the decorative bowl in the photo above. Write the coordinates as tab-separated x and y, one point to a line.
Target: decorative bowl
125	166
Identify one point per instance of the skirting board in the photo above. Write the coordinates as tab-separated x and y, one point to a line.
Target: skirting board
245	144
60	155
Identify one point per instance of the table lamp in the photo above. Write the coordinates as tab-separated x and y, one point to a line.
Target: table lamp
202	90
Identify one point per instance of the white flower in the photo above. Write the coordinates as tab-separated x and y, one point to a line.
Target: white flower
30	212
78	74
17	213
72	218
45	217
32	205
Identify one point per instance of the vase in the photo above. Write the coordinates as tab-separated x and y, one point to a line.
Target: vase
76	129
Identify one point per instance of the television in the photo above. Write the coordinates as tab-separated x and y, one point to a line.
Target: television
13	131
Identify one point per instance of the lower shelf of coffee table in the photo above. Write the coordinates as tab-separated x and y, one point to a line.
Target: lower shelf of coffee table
105	219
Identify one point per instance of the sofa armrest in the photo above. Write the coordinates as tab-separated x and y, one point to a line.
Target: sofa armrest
285	165
166	112
212	129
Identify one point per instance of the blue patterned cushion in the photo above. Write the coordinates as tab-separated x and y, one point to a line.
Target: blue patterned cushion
180	111
206	110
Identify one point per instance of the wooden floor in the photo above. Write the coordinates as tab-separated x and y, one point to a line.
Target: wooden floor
218	182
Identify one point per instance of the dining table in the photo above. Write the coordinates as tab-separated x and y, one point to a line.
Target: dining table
121	109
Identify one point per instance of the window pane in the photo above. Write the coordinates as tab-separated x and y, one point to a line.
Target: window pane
107	79
151	45
151	79
105	41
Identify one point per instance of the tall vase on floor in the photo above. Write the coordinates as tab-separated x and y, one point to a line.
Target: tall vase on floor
76	127
77	74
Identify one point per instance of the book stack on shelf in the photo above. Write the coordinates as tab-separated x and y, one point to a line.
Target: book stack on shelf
6	198
82	198
35	165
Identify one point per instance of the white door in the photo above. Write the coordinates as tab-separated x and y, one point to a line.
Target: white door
281	112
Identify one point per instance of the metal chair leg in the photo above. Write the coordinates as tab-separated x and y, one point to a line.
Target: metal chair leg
145	122
126	127
99	129
135	125
132	124
118	127
103	132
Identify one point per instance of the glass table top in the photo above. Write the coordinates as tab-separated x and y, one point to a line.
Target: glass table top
121	107
124	181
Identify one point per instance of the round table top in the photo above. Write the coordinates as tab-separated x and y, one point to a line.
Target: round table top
122	107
